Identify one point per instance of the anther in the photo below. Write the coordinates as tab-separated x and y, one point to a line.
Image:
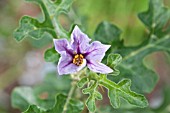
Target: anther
78	59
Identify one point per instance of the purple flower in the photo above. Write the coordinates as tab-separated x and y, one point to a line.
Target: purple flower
79	53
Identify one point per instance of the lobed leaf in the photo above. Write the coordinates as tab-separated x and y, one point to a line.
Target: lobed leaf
156	18
93	95
91	91
115	92
131	66
122	90
112	61
143	79
30	27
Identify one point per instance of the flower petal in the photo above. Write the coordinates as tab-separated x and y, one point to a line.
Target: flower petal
79	40
62	45
96	51
65	65
99	67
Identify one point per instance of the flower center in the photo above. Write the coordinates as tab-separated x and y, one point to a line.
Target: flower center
78	59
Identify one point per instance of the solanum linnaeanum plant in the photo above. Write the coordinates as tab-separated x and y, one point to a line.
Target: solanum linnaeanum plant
80	51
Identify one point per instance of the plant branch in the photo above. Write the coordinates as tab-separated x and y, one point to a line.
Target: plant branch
58	28
73	87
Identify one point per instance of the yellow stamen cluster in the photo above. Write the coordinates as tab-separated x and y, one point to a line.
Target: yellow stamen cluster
78	59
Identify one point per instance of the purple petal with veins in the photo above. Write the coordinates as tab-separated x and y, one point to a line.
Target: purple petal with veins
62	45
99	67
79	40
79	53
96	51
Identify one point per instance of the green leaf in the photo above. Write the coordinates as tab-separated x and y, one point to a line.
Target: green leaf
73	107
63	5
42	99
107	33
45	92
115	92
114	98
122	90
93	95
22	97
34	109
156	18
56	82
53	10
51	55
91	90
30	27
143	79
132	66
112	61
108	109
82	82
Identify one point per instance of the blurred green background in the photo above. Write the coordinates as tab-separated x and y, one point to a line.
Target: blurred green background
22	64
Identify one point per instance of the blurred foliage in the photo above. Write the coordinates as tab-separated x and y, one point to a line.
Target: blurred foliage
42	94
51	55
123	13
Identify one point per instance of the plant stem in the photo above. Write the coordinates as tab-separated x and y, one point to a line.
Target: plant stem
69	96
58	28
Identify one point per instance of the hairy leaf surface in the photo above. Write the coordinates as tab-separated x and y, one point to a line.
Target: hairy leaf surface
31	27
156	18
115	91
132	66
